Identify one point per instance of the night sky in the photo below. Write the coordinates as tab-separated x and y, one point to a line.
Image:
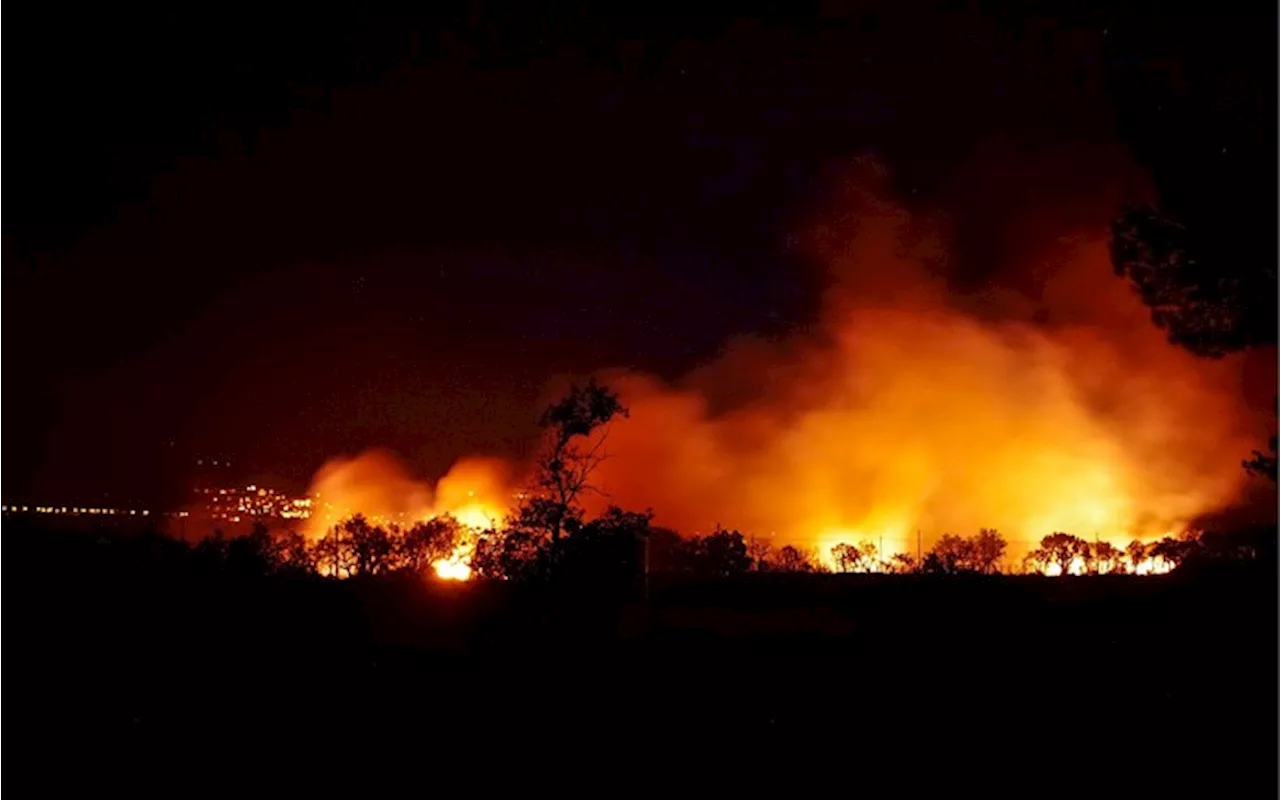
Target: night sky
271	240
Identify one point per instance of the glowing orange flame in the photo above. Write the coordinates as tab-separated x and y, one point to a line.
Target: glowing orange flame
456	567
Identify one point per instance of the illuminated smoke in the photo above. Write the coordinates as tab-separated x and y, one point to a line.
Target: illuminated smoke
377	484
907	408
906	411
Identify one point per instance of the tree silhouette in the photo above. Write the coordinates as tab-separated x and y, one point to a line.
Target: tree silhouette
486	559
211	551
1037	561
1264	464
564	469
720	553
511	553
666	550
846	557
1136	552
334	555
1204	305
425	543
868	559
370	546
1063	549
608	550
760	551
793	559
952	554
901	564
252	554
1103	558
987	549
1244	544
293	553
1172	551
1203	257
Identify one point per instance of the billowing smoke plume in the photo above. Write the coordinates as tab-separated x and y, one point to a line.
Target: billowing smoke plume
906	409
377	484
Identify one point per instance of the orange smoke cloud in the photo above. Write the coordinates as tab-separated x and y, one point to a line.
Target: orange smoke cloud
377	484
909	408
904	411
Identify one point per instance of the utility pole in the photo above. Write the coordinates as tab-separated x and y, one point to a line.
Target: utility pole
919	555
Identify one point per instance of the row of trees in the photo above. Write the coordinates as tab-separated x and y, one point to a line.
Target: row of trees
357	547
352	547
619	547
1062	553
549	536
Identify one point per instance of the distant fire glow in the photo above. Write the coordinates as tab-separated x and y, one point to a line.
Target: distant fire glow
377	484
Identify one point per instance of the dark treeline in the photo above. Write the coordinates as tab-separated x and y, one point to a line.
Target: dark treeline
550	538
145	660
619	548
587	651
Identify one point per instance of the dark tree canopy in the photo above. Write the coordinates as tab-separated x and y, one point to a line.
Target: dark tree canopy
566	465
1104	557
792	559
1061	549
1264	464
719	553
1203	255
1209	299
846	557
608	550
953	554
987	549
581	411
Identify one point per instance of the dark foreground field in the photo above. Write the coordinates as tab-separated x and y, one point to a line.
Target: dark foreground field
131	670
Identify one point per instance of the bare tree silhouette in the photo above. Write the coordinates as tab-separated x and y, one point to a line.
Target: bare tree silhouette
565	468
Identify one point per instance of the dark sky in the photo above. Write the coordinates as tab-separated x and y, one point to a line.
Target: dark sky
274	239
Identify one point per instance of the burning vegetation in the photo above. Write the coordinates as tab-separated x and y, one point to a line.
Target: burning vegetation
1068	423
